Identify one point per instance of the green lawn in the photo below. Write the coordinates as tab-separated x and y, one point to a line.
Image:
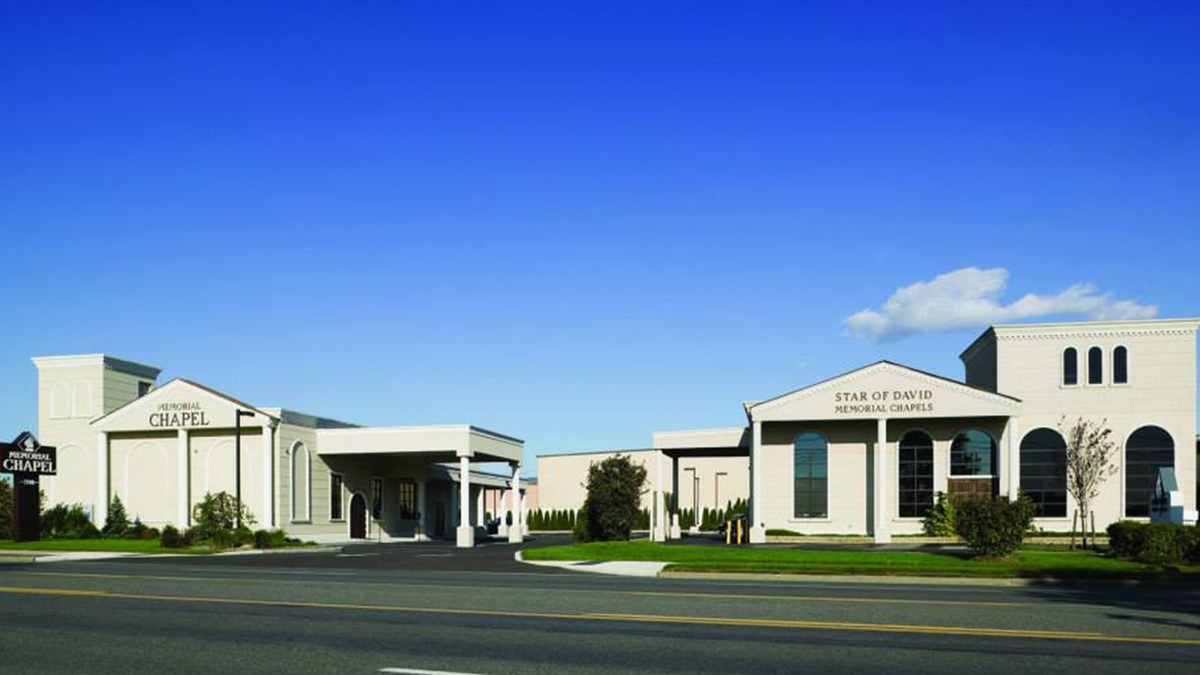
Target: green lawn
99	545
1034	562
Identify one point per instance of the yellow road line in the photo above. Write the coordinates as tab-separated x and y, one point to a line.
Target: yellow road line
672	594
635	618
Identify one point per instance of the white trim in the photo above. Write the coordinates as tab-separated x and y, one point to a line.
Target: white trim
341	497
1087	361
350	517
382	502
1112	360
896	467
950	456
1062	368
307	480
164	456
792	483
1125	462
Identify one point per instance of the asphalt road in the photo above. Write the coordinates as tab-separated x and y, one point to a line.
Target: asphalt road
435	608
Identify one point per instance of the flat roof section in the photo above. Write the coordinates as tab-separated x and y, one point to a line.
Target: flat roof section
458	440
720	441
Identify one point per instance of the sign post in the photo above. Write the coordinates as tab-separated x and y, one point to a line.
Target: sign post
26	460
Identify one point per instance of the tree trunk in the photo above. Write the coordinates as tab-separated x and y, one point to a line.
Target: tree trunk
1083	507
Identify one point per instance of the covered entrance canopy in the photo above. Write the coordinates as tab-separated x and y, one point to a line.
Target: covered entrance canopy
434	445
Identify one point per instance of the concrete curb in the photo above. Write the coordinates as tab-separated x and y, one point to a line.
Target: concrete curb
785	577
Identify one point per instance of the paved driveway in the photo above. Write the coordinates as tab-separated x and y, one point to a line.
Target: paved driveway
492	556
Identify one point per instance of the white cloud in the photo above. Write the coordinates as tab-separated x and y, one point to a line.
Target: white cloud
970	298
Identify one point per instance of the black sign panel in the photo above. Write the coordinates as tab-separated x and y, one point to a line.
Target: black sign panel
26	455
26	460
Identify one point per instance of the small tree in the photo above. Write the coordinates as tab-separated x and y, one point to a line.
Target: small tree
6	509
116	523
939	522
1090	453
614	495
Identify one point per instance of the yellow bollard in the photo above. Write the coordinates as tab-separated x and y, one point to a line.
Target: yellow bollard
728	532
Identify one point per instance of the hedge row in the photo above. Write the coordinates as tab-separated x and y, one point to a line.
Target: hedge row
565	519
1158	543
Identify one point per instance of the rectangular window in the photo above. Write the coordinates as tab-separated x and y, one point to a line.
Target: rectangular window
407	494
377	498
143	389
336	483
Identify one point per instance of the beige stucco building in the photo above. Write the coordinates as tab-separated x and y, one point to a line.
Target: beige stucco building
867	451
697	482
162	448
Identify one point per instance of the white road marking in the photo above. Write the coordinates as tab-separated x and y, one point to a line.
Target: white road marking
416	671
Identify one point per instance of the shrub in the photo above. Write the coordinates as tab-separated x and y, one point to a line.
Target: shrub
1163	543
173	538
580	531
996	527
67	521
1155	543
116	524
243	536
1125	538
140	530
614	495
939	522
270	539
216	517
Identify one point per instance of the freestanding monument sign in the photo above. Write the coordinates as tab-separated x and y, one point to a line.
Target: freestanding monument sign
26	460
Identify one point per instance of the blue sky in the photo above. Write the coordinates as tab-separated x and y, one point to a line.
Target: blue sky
580	222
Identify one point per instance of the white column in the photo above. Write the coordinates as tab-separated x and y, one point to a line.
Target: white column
480	515
421	509
1010	469
675	499
758	515
516	533
185	502
100	508
502	508
660	529
465	532
268	485
524	513
883	492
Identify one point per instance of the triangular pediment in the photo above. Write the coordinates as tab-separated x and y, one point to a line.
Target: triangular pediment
887	390
181	404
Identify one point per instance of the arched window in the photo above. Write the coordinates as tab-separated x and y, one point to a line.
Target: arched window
1070	369
810	458
1044	472
916	474
973	453
1095	366
1148	450
301	482
1120	366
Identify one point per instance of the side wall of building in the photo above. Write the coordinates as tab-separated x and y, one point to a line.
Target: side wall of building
1161	391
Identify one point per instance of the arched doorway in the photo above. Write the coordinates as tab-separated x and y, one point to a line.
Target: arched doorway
358	516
